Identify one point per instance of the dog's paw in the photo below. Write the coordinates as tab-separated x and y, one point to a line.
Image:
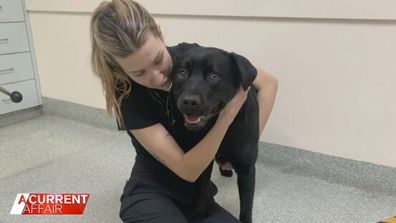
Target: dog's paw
225	173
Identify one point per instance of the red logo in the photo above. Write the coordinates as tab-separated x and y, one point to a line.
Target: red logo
49	204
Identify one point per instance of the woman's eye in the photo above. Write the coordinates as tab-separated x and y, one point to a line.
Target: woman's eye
158	61
140	74
213	76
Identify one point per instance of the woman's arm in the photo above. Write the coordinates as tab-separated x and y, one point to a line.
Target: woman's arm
189	166
267	86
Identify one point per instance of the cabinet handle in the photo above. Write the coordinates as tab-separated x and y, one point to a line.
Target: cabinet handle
7	71
15	96
4	40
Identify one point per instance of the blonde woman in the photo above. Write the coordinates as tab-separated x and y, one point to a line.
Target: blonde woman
133	63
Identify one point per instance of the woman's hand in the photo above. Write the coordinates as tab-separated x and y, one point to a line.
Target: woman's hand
232	108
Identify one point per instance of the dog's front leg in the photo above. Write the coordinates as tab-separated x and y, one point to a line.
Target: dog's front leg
246	185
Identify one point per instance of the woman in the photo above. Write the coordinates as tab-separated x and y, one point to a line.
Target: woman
133	63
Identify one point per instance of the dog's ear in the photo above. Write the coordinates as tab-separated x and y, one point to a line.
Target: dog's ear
246	71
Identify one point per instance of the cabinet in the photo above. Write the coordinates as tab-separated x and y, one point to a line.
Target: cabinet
17	64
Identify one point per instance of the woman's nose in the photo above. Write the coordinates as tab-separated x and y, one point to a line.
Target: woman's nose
157	75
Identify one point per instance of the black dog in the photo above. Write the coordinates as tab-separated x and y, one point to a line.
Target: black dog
204	80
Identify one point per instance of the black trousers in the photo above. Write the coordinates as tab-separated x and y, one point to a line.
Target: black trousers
158	208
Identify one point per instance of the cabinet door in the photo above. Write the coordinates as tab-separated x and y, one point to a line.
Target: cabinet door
28	91
15	67
13	38
11	11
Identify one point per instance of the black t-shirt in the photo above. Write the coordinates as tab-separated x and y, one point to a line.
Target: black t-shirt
145	107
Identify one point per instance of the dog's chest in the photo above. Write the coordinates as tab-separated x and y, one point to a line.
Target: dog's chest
185	138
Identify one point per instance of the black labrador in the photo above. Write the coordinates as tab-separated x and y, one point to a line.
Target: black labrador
204	80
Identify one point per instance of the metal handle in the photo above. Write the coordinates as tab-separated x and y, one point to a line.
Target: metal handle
6	71
15	96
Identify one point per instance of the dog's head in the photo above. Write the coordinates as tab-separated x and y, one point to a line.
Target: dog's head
204	80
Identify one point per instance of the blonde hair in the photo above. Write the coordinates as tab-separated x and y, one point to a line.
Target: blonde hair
118	28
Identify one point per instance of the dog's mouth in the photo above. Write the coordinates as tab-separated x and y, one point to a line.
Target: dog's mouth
194	122
192	119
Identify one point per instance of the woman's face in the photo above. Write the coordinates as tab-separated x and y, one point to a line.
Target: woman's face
150	65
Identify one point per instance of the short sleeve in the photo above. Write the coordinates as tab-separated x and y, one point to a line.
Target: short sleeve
138	111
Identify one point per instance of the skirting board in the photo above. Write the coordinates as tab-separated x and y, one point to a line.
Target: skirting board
21	115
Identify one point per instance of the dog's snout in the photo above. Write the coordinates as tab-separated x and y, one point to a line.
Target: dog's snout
191	102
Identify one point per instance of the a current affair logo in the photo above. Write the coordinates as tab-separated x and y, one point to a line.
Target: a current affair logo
49	204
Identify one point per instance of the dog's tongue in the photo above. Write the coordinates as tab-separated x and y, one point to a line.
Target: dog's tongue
191	119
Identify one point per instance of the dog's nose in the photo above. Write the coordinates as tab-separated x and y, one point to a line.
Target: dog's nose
191	102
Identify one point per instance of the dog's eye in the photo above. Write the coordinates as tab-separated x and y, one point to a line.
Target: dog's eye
182	74
213	76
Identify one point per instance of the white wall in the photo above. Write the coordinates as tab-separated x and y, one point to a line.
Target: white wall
335	64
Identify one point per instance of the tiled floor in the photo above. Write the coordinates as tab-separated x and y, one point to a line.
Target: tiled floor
50	154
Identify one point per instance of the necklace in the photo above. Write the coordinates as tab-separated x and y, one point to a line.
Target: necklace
166	105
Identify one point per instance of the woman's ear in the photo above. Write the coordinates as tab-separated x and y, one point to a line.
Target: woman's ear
246	71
